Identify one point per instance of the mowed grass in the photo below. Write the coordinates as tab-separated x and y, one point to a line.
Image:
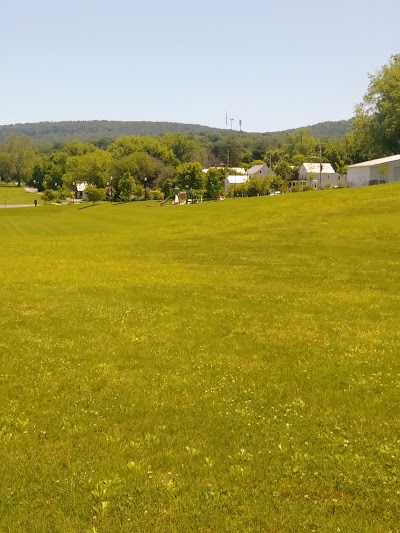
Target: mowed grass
229	366
11	194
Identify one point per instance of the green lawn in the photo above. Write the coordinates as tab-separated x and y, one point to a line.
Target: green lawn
231	366
11	194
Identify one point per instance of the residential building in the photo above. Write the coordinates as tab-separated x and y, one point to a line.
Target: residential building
318	176
376	171
260	171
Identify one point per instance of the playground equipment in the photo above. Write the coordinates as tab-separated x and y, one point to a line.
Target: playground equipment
178	197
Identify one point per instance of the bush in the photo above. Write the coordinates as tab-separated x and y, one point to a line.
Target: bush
94	194
155	194
48	195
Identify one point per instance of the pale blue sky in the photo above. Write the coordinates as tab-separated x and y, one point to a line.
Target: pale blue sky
274	65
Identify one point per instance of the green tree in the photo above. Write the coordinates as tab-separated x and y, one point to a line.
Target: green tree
126	186
95	194
92	167
167	187
181	146
283	169
227	151
156	148
277	183
48	195
190	176
377	120
214	182
47	171
17	158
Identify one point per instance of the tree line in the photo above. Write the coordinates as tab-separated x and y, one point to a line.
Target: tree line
143	166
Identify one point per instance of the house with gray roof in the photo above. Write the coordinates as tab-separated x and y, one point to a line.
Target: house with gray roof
260	171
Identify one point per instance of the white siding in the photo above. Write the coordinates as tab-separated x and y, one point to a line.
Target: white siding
358	176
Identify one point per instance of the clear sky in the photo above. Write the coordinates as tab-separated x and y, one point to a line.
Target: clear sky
272	64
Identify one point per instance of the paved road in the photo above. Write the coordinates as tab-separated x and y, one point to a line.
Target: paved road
10	206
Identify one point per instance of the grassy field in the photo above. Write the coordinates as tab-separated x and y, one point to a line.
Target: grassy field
229	366
10	194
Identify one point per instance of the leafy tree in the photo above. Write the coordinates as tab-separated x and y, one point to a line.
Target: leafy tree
190	176
167	187
95	194
78	148
126	186
181	146
63	193
48	195
92	167
377	120
383	172
156	148
215	178
258	186
46	173
17	158
277	183
227	151
283	169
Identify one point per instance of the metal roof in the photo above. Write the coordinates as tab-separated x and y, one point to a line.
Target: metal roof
314	168
374	162
235	180
254	169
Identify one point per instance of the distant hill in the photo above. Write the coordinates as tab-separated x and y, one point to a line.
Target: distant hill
94	130
325	130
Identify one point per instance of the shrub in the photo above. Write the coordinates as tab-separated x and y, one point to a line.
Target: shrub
94	194
48	195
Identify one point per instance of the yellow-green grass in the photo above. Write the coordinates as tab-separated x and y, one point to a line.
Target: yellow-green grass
11	194
231	366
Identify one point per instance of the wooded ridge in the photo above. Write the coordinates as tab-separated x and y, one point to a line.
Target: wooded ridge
92	130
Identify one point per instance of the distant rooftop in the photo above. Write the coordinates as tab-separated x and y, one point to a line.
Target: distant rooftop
314	168
380	161
254	169
236	180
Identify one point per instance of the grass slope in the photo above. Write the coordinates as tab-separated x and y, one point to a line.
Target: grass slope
230	366
10	194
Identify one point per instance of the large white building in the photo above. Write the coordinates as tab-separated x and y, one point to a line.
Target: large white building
384	170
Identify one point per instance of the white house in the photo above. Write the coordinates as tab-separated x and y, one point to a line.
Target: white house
319	175
234	180
384	170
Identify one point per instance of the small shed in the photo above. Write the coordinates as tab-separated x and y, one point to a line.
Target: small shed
80	189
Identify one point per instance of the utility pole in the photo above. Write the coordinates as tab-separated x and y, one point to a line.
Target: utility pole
227	158
240	126
320	165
